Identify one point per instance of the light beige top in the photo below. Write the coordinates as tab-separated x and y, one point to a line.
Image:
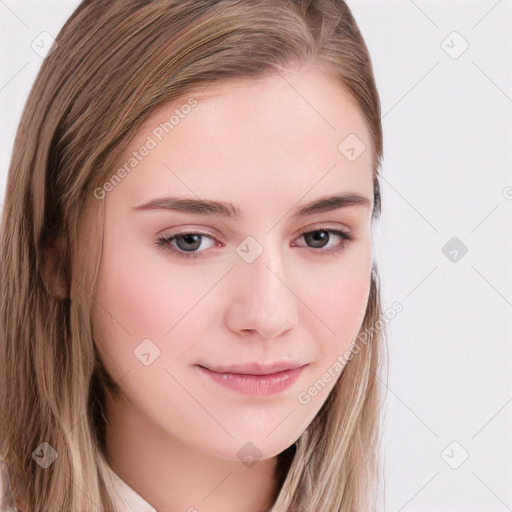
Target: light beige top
131	501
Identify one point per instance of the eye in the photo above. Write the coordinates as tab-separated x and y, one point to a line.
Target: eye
320	238
186	244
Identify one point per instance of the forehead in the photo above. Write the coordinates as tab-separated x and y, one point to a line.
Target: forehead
271	138
266	105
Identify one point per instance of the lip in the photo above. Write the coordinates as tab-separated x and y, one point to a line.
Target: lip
260	384
258	368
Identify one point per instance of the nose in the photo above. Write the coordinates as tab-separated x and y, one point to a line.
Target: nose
263	298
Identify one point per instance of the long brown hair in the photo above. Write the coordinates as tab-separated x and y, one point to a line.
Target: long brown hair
115	63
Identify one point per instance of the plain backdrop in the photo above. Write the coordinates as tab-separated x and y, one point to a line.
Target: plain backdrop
444	74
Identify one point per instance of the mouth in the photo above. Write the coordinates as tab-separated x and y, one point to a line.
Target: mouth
263	383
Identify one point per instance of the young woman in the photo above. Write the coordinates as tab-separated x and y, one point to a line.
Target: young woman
189	299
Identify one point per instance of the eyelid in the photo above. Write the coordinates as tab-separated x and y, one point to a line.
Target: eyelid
316	226
319	226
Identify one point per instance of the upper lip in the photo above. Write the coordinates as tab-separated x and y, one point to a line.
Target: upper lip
258	368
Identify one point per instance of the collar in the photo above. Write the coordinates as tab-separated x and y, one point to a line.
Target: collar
131	501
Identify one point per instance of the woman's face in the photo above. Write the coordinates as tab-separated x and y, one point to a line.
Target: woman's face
270	286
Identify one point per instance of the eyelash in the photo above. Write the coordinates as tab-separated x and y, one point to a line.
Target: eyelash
165	242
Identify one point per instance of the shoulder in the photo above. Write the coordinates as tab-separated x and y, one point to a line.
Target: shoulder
7	502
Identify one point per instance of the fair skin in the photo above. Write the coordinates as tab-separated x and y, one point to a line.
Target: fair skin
270	147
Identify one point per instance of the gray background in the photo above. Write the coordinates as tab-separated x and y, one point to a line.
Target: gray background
446	187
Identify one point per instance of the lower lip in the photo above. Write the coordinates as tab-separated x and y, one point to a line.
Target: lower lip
255	385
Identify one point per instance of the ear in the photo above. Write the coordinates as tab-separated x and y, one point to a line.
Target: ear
53	267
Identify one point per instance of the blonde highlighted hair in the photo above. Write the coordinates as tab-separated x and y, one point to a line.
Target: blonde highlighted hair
115	63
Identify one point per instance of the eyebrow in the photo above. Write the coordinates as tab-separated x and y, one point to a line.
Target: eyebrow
231	211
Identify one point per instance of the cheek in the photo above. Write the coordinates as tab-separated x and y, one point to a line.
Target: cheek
342	304
138	298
